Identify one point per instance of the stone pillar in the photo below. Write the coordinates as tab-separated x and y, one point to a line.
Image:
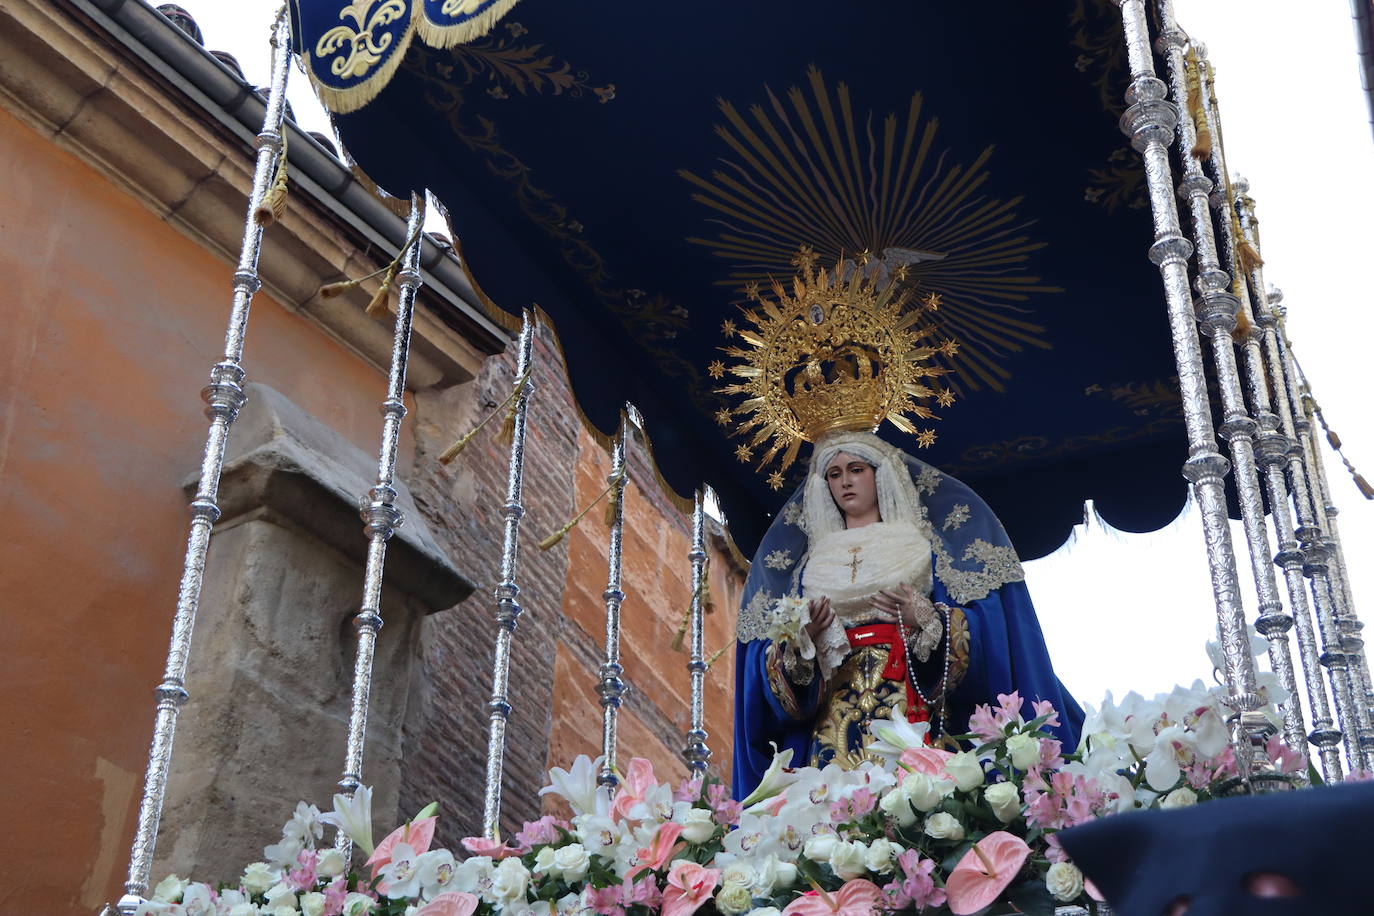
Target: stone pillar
272	658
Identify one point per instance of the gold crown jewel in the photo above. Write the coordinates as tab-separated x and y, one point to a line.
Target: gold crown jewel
842	349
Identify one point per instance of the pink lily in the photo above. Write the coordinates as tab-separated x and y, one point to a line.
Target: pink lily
859	897
661	851
927	760
417	834
638	781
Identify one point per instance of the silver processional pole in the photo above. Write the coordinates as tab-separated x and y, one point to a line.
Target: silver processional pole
611	685
379	511
507	607
697	752
224	398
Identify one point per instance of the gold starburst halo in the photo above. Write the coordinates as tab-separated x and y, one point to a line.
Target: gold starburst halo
829	352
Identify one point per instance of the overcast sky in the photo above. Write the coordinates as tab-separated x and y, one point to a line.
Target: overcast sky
1122	611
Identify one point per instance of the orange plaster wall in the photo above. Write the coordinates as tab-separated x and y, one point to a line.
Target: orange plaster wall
111	320
656	576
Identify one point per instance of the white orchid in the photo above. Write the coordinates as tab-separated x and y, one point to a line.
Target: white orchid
578	785
434	870
400	876
354	817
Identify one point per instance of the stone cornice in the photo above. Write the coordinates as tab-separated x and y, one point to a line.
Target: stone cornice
117	85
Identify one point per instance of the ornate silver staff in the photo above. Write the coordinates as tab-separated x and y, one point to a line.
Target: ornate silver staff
507	607
224	398
1150	122
697	753
1275	444
612	686
1217	315
378	509
1312	552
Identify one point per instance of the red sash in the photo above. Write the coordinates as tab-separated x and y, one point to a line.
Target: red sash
887	634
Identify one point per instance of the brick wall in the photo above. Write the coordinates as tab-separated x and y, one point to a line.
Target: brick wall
559	643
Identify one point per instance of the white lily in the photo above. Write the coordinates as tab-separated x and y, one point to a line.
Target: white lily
578	785
775	779
893	736
354	817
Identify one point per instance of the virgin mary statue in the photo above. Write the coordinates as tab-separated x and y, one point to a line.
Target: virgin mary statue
914	603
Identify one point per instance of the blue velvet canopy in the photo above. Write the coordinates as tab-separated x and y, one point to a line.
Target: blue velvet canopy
629	166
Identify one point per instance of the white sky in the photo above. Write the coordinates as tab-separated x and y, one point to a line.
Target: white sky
1124	611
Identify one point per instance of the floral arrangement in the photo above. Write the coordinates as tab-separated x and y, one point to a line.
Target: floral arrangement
917	830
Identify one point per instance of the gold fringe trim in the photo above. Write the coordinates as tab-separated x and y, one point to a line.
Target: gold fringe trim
510	402
273	204
1202	148
446	36
344	101
552	540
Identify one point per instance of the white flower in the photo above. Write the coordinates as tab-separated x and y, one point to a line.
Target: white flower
356	904
944	826
1161	766
572	862
925	792
849	859
773	873
734	899
354	817
597	832
283	854
258	877
697	824
1065	881
473	875
820	847
1005	801
894	735
741	873
278	896
243	909
1181	797
228	899
543	860
283	910
965	770
656	806
1024	750
400	877
312	904
765	911
509	879
169	889
577	785
896	806
196	901
882	853
775	779
331	863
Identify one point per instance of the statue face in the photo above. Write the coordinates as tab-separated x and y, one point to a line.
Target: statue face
854	487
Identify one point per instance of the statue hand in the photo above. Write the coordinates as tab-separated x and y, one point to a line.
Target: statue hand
821	617
916	610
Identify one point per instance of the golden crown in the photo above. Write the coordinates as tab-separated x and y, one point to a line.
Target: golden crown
831	353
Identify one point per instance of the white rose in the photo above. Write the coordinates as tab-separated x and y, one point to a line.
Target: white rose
356	904
1024	750
965	770
881	854
543	860
925	793
1005	801
258	877
765	911
1065	881
786	875
243	909
739	873
734	899
572	860
509	879
279	895
849	860
1179	798
895	805
282	910
697	825
944	826
820	847
312	904
169	889
331	863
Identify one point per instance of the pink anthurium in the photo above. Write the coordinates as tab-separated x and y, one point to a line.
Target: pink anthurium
416	834
859	897
984	872
492	849
453	903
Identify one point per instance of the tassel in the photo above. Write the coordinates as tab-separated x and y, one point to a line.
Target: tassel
611	505
680	637
1243	326
1249	256
507	435
717	654
549	542
377	307
273	203
330	290
1365	488
1202	149
1334	439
